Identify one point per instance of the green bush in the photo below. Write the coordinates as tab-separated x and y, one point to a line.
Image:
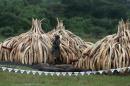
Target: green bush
6	31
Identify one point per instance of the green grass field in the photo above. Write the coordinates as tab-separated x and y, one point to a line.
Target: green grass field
12	79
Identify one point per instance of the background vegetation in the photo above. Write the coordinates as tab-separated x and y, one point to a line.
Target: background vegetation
90	19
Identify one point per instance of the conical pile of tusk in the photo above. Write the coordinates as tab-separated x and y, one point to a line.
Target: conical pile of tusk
31	47
71	46
113	51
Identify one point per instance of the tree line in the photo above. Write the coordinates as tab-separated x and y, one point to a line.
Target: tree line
89	19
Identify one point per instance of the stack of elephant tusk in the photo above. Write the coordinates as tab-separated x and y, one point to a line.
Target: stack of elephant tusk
113	51
71	46
35	46
31	47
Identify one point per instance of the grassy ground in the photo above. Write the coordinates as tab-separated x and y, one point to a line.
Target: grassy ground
12	79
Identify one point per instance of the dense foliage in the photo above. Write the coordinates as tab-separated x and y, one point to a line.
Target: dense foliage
90	19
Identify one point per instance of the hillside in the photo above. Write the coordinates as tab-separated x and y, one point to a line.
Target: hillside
90	19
